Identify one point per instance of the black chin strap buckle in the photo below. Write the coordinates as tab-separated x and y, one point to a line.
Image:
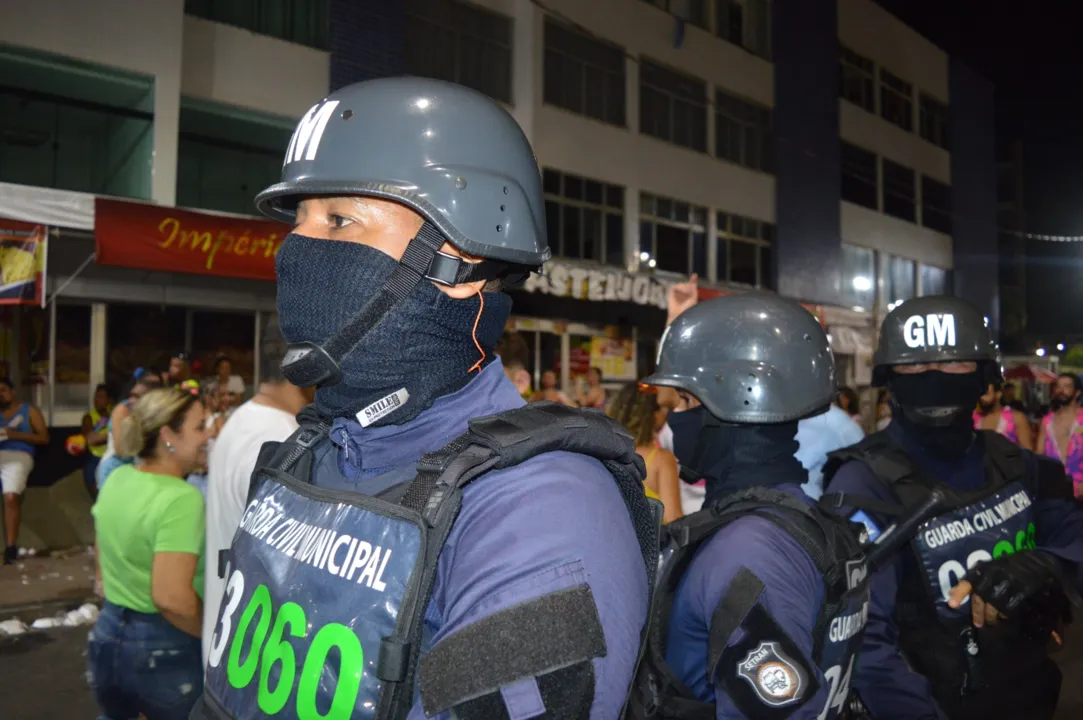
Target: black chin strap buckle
307	364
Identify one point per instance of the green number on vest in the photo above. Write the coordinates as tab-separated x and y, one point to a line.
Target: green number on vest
351	662
1025	540
290	615
290	621
240	675
1003	548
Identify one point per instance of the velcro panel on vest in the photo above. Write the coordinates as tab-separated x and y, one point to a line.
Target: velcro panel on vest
557	632
741	596
550	427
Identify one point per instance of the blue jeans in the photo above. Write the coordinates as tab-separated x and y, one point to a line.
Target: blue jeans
90	476
108	465
139	663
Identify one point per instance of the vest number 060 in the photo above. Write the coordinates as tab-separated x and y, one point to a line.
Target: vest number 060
952	571
264	653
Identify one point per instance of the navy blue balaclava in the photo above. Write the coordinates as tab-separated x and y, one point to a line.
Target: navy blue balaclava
422	349
732	457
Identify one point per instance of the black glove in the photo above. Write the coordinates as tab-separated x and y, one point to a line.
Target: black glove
1009	581
1045	614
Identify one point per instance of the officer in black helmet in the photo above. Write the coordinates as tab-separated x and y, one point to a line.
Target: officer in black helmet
761	599
959	621
425	544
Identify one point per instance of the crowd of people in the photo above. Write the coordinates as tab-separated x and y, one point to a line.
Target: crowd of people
396	526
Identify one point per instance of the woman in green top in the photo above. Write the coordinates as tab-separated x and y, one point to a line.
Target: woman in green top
144	652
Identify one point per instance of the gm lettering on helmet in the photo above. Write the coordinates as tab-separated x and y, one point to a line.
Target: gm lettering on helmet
929	330
306	138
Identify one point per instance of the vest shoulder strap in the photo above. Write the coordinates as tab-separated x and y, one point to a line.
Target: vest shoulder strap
893	468
511	438
830	543
829	540
1053	481
1003	456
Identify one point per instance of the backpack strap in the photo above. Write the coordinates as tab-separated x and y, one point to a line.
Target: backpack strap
1007	463
657	692
292	456
829	541
496	442
888	463
510	438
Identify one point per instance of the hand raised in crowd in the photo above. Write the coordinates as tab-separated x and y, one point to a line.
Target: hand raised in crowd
681	296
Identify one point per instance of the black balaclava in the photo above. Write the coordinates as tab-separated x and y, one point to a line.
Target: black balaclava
735	457
423	348
934	408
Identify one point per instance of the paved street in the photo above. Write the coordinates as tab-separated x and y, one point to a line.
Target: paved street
42	677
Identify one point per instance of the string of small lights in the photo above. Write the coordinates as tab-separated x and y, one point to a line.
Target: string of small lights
1044	238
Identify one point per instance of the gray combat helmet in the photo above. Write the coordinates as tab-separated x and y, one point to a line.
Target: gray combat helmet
751	358
936	328
448	152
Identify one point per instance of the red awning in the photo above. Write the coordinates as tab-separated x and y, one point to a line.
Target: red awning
1030	373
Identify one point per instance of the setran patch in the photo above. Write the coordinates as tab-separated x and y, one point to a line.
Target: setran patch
776	679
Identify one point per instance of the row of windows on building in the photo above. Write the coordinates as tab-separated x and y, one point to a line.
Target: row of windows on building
746	23
471	46
881	184
585	220
464	43
877	89
868	276
305	22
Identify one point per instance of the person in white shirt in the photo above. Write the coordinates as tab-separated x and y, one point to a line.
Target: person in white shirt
268	416
224	378
822	434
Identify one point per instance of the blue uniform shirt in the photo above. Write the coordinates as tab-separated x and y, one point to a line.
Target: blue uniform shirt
886	685
793	592
554	522
819	435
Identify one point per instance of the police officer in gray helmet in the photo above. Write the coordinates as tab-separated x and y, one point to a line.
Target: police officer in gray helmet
960	620
424	544
759	608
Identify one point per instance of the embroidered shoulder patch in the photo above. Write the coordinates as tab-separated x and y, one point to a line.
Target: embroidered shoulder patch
775	678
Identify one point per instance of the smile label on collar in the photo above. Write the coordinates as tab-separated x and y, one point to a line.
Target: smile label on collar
383	407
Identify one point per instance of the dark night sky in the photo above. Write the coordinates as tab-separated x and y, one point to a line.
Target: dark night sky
1031	53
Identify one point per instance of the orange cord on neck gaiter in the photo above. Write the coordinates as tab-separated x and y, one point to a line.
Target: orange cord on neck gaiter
474	333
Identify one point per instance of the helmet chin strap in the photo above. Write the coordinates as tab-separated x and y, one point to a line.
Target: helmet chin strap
309	364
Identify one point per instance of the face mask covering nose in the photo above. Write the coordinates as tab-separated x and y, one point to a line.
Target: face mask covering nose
427	346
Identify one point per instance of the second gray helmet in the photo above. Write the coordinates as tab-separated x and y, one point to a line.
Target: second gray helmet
751	358
935	328
446	151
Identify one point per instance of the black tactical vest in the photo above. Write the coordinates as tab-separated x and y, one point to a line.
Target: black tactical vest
991	521
834	547
323	613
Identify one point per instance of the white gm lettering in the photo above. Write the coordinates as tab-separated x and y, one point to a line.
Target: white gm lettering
932	329
306	138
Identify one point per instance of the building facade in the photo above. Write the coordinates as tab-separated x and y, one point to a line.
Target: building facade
822	150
